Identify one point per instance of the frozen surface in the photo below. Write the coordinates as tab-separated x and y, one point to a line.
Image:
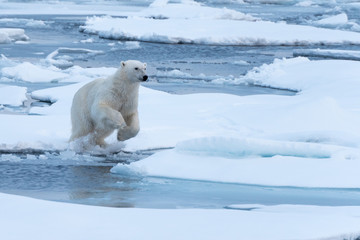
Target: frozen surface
89	222
8	35
215	31
12	95
190	10
281	148
313	129
330	53
166	22
29	72
114	8
314	116
253	161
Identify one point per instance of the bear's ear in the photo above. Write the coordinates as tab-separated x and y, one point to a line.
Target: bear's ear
144	64
122	63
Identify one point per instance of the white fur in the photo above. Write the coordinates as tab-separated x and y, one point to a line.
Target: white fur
104	105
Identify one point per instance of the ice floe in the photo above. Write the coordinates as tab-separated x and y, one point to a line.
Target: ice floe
29	72
64	61
190	10
8	35
339	21
214	31
328	53
90	222
32	23
316	130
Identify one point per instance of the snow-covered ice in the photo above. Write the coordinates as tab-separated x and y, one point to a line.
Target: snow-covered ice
24	22
29	72
8	35
169	23
318	126
310	139
215	31
315	128
12	95
190	10
328	53
90	222
339	19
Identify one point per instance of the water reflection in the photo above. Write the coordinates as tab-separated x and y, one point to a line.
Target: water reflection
95	185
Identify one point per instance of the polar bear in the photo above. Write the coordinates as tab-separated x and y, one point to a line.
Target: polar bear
103	105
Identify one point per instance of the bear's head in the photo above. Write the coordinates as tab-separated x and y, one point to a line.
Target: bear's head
135	71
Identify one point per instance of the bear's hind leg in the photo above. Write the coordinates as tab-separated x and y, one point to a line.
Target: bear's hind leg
81	126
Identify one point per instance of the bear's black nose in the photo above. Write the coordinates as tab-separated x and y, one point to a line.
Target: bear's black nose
145	78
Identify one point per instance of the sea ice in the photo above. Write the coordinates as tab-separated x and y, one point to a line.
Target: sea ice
328	53
24	22
75	221
29	72
190	10
8	35
65	63
339	19
12	95
214	31
320	114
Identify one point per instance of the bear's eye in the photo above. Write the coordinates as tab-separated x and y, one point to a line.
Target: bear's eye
136	68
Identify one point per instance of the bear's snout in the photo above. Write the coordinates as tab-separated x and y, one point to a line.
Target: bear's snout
145	78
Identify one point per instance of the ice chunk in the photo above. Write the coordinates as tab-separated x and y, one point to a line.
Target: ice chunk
300	73
191	10
305	4
339	19
65	63
23	21
12	34
29	72
328	53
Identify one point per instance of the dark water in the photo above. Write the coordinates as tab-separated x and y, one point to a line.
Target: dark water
94	184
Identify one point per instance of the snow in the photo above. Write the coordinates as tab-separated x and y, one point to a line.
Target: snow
8	35
214	31
329	53
190	10
341	18
294	136
253	161
67	8
29	72
310	139
65	62
316	130
12	95
90	222
48	71
166	22
24	22
305	4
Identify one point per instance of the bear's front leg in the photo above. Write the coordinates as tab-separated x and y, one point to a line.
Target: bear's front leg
107	118
132	128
